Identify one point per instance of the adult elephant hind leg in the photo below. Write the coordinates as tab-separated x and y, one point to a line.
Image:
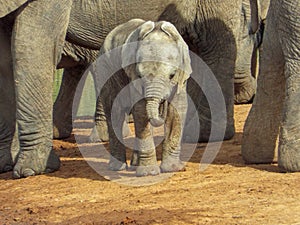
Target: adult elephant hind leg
7	104
262	125
289	139
63	106
38	36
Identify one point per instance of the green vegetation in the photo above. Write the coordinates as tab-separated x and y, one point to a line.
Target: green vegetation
88	99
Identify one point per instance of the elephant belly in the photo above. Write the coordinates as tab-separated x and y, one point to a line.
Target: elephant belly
91	21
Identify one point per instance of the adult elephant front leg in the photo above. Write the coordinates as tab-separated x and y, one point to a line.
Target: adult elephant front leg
289	34
38	36
262	125
7	104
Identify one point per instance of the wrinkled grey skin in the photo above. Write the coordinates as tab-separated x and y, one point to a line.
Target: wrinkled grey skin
75	61
246	69
275	110
27	66
160	85
197	28
244	82
29	54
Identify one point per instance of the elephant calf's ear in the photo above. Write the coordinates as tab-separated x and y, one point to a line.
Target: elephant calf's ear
185	69
130	47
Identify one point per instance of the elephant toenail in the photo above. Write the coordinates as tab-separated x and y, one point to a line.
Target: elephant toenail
28	173
16	174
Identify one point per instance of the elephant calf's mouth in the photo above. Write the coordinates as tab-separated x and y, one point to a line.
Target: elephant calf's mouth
163	109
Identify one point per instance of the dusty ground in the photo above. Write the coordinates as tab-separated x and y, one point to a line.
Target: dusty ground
227	192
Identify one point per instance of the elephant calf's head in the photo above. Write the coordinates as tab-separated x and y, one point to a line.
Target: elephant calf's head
162	63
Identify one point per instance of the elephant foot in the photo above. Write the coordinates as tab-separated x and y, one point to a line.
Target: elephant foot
289	157
30	163
6	163
244	92
150	170
99	133
134	159
61	132
116	165
171	165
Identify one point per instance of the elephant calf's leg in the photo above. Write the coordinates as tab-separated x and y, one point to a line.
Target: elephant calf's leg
146	161
100	131
172	143
117	160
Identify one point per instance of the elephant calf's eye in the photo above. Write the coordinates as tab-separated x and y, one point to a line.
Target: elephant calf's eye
172	76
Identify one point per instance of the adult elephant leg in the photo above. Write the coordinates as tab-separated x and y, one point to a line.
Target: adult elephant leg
7	103
244	81
38	37
146	161
63	106
262	125
289	140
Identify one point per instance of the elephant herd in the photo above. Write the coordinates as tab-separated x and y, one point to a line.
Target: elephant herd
37	37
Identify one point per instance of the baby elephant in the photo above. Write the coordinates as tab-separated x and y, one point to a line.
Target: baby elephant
144	66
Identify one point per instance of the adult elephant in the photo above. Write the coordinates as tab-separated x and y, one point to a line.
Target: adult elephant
275	110
33	33
77	58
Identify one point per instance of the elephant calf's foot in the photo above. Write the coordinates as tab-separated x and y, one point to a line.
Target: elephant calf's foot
171	165
6	163
134	161
116	165
147	170
30	163
99	132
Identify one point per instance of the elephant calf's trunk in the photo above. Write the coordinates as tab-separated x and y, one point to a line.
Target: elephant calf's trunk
153	111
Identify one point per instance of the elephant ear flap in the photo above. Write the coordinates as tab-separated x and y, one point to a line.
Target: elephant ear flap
184	69
130	47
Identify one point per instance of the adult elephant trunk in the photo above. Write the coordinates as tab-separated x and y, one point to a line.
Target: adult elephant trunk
156	111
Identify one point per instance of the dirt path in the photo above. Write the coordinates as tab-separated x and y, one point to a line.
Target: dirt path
227	192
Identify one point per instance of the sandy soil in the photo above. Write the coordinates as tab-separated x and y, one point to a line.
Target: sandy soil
227	192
